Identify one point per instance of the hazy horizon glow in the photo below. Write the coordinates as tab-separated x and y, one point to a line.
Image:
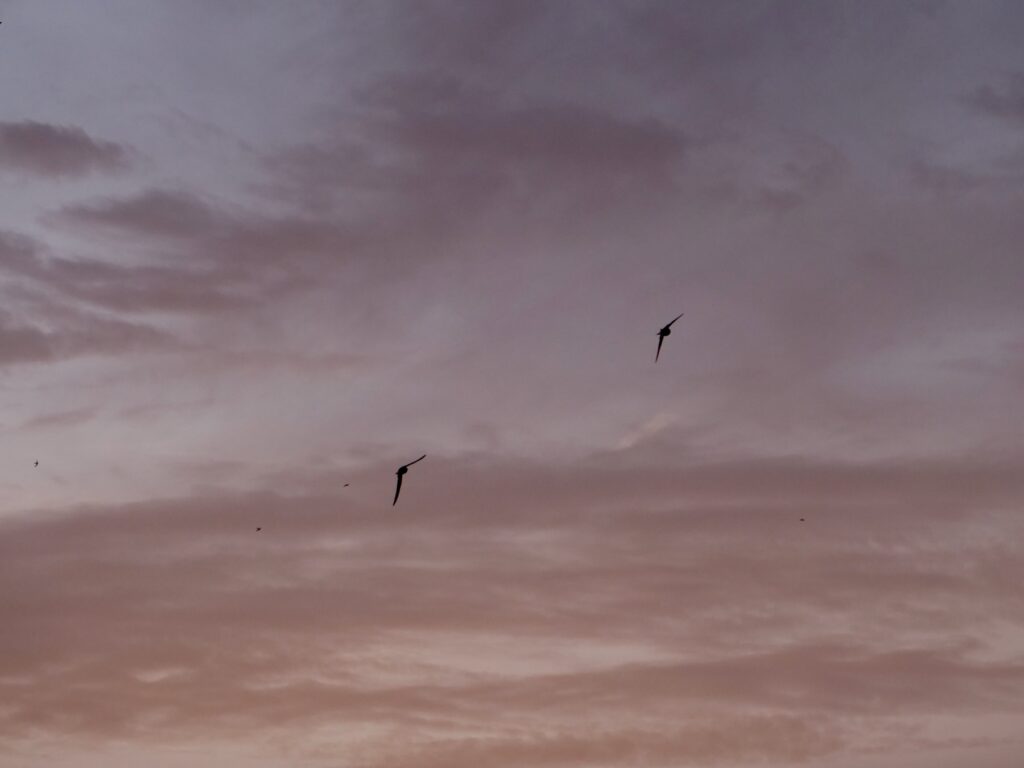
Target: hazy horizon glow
250	252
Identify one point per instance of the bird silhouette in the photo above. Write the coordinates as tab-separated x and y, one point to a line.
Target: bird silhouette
259	529
666	331
36	464
401	471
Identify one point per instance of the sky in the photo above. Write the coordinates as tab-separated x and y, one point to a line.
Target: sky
251	252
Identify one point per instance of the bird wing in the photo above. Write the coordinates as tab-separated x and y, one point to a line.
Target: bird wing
658	354
398	490
675	318
421	458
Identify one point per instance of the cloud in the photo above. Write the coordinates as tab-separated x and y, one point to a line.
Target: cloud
425	158
132	288
90	335
188	256
239	245
152	213
443	119
741	739
57	151
1006	101
37	326
434	148
64	418
564	615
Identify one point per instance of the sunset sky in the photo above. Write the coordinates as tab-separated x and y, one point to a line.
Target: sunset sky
251	251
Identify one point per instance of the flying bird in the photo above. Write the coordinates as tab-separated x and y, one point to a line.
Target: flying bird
401	471
667	330
36	464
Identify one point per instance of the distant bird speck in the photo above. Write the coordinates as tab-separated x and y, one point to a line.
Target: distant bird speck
259	529
36	464
666	331
345	485
401	471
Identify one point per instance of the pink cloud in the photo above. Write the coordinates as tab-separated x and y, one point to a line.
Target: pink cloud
753	636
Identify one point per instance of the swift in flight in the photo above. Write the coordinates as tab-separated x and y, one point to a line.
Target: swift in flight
667	330
401	471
